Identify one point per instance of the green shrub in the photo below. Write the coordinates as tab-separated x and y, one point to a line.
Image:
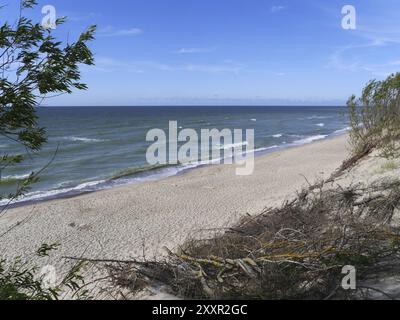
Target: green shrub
375	117
20	281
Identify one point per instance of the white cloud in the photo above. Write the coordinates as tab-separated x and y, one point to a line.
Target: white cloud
106	64
133	65
350	60
374	47
195	50
214	68
275	9
111	31
80	18
355	58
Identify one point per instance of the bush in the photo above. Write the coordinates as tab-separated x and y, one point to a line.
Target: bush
375	117
20	281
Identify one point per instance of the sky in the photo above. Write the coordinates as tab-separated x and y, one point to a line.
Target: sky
227	52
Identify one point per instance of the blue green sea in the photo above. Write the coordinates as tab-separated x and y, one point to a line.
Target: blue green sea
103	147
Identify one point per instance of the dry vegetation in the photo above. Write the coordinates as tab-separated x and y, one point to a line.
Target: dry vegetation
293	252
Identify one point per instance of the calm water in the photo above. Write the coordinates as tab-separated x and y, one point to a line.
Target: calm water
104	147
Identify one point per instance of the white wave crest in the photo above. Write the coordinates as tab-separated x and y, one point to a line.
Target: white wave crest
83	139
319	117
16	177
342	130
310	139
40	195
233	145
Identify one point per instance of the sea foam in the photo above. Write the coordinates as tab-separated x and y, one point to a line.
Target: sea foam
310	139
83	139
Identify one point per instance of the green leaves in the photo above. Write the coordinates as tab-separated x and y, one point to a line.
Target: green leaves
375	117
28	3
45	249
34	66
19	281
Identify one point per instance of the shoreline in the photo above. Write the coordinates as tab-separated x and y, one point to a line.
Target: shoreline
142	219
149	176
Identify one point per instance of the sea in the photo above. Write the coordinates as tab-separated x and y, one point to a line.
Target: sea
95	148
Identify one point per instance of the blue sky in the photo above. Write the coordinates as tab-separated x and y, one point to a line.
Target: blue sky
208	52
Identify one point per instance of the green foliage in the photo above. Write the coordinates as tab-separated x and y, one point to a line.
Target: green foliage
45	249
19	281
34	66
375	117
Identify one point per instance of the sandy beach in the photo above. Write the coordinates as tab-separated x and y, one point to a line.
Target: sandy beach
138	219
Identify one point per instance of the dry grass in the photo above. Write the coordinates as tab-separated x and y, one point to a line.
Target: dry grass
389	166
296	251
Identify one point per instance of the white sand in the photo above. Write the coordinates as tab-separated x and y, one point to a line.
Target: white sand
121	222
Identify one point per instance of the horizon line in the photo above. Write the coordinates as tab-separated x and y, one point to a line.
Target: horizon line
188	106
